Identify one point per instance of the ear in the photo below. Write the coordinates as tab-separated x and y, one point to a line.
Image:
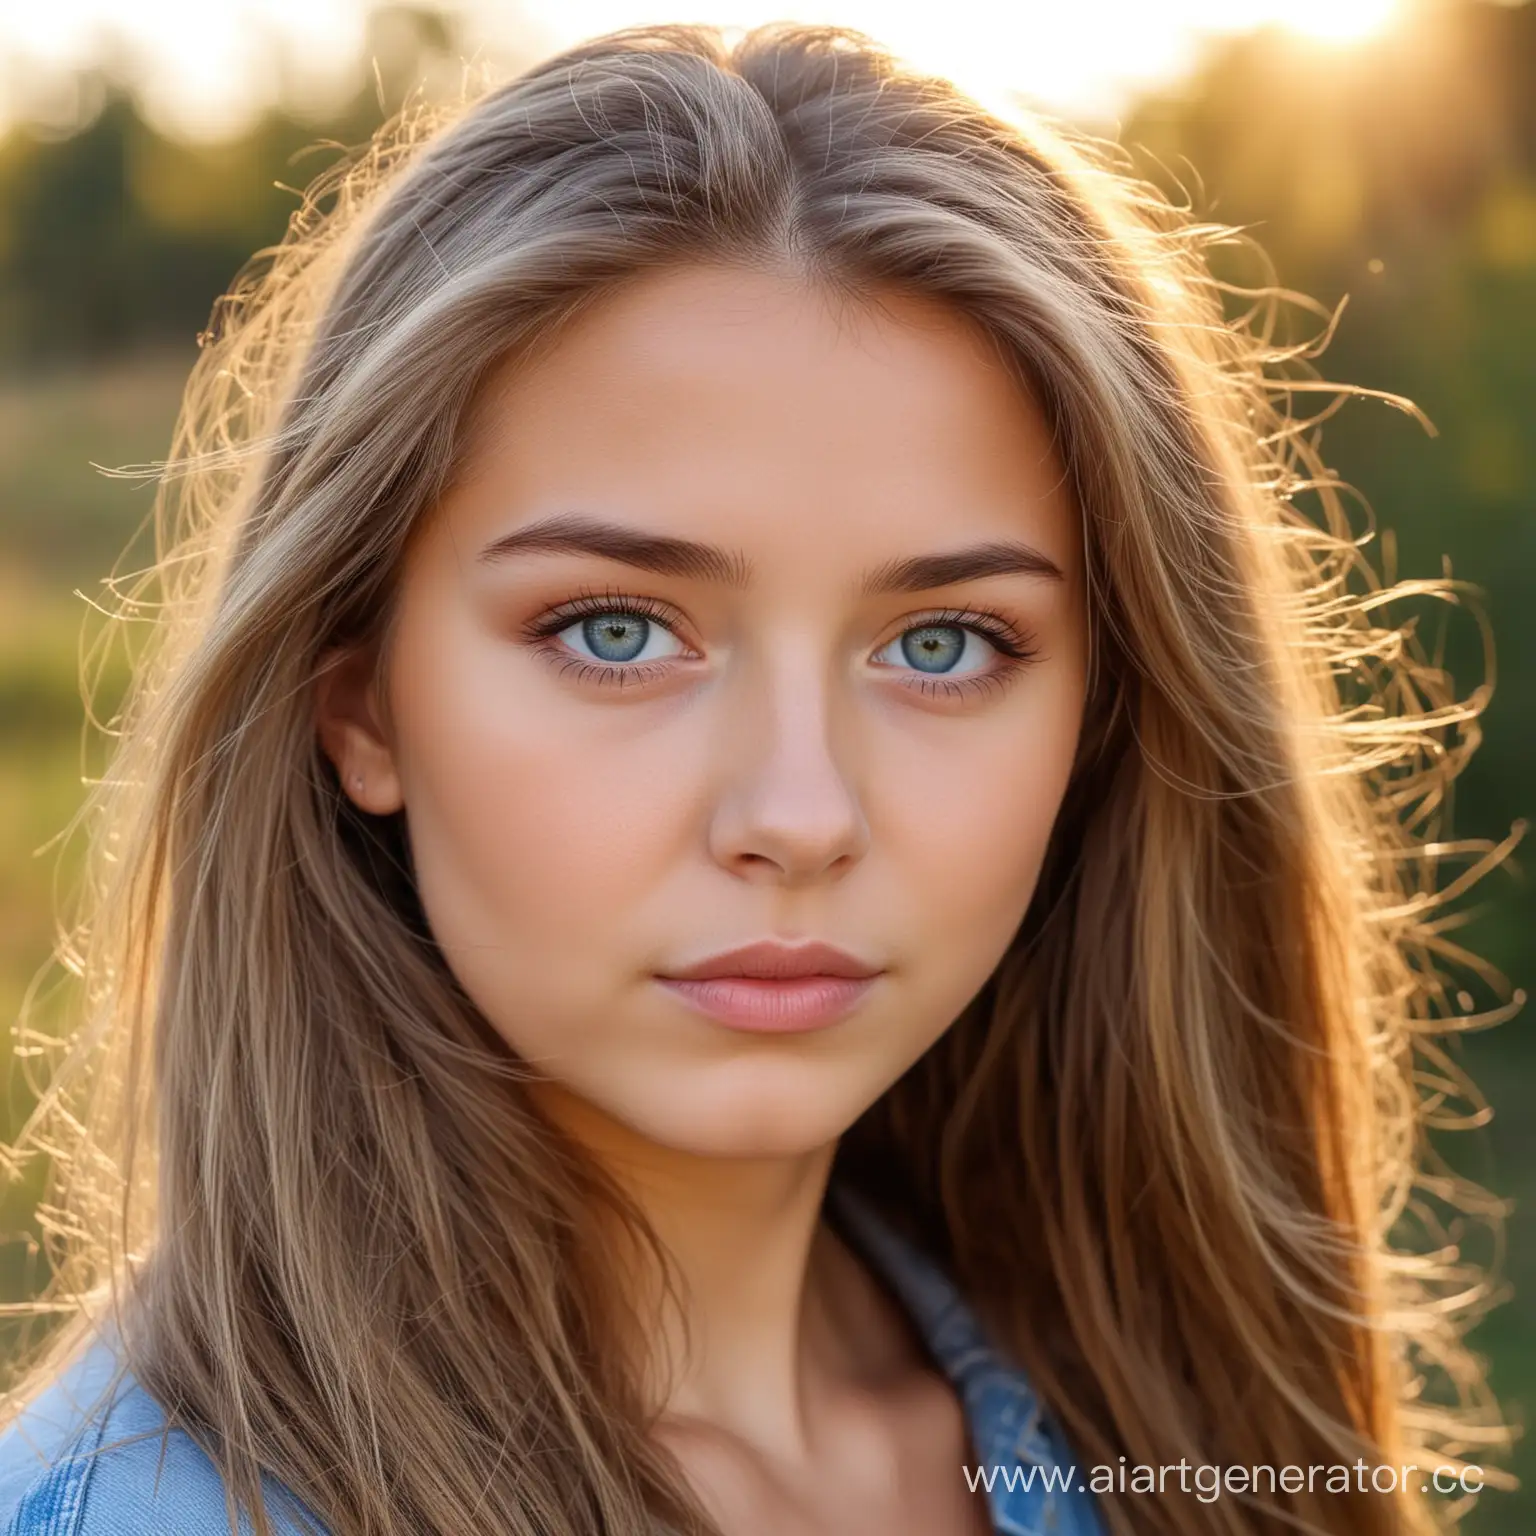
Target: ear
352	732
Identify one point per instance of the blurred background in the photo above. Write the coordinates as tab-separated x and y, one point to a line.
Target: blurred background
1379	150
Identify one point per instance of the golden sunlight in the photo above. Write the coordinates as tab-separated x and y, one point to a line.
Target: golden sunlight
210	68
1338	21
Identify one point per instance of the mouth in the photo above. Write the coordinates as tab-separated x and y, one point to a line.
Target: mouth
772	1005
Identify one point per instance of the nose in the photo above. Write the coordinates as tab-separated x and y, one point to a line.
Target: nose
789	812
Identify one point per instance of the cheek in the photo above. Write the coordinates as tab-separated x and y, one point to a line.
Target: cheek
534	826
972	824
513	838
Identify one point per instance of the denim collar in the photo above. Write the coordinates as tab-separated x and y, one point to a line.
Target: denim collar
1010	1431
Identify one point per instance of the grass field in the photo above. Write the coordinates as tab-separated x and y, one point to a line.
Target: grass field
63	525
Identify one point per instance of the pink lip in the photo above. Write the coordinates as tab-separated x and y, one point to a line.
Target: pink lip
788	1006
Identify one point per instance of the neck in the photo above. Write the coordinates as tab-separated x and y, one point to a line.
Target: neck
765	1314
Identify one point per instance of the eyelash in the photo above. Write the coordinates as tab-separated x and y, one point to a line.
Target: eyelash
1017	649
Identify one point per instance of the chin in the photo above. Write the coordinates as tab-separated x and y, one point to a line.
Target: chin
753	1111
760	1141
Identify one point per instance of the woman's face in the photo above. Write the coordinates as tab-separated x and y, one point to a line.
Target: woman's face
823	681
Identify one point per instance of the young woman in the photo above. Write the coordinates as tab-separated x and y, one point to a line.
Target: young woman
759	885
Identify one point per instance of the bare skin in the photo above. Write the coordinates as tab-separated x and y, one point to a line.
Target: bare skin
776	762
884	1431
874	1438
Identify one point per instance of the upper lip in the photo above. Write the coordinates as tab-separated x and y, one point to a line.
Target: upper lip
770	959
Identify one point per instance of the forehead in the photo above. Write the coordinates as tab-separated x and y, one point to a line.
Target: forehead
701	396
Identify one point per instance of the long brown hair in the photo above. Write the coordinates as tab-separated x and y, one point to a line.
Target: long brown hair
1168	1148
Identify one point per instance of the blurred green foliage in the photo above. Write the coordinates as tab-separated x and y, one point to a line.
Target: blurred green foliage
1400	175
117	236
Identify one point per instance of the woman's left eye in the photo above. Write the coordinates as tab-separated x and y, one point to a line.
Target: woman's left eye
619	640
940	649
959	653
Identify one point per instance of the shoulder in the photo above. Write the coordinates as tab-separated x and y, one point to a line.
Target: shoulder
94	1455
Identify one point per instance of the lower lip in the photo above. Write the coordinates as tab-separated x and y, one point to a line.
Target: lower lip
774	1007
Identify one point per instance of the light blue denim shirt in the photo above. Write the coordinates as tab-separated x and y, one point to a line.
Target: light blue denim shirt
67	1472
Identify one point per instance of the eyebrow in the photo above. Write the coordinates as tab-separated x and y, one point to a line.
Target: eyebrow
667	555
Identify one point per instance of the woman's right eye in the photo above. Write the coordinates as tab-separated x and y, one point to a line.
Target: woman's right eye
608	637
617	637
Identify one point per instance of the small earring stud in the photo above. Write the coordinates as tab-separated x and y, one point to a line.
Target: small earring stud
357	783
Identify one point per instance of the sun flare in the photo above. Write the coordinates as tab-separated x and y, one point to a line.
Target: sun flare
1338	21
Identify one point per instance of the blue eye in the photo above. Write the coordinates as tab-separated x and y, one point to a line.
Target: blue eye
619	636
615	638
958	652
939	648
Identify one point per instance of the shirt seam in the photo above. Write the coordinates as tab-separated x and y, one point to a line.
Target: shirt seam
54	1503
